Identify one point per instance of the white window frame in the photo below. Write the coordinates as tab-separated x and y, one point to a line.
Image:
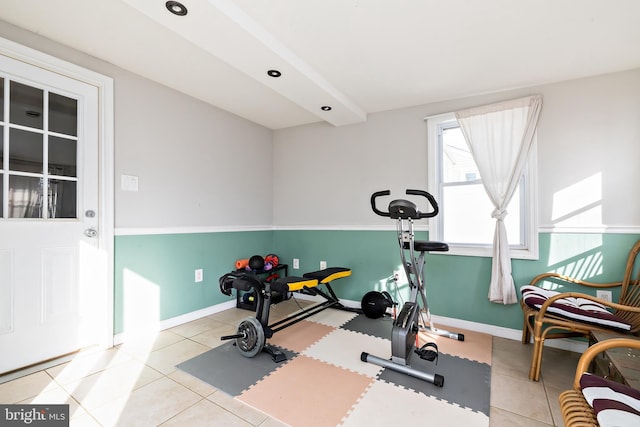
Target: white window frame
529	220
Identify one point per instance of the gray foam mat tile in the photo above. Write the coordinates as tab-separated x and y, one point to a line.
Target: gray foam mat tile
380	328
225	365
466	383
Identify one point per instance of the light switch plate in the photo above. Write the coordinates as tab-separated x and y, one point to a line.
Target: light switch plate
129	183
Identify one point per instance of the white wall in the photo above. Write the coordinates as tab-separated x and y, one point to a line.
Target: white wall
324	175
201	166
588	148
197	165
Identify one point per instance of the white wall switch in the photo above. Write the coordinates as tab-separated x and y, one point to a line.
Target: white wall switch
296	263
129	183
199	275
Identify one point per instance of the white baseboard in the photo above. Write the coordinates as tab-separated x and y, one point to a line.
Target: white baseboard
508	333
172	322
496	331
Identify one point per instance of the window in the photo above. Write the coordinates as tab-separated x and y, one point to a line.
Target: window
465	221
38	152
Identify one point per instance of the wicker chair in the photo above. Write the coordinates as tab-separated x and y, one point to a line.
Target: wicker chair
543	323
575	409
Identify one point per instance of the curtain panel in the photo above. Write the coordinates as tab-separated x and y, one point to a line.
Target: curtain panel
500	137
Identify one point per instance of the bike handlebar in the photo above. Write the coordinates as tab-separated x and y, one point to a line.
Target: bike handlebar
428	196
374	196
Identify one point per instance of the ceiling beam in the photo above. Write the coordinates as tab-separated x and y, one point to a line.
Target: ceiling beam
211	24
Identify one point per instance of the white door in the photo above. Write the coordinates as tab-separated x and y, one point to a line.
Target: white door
49	213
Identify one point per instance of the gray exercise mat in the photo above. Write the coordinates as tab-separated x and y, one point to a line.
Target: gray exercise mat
466	383
225	368
380	328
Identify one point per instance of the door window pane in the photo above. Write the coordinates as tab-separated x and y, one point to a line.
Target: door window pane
25	151
25	106
62	156
63	114
1	99
41	172
62	199
1	149
25	197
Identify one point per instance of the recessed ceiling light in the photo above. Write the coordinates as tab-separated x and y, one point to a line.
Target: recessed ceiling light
176	8
325	108
274	73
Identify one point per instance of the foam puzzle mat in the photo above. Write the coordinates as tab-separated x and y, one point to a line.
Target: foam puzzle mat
323	382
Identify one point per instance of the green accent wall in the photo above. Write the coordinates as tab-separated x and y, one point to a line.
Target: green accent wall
155	273
457	286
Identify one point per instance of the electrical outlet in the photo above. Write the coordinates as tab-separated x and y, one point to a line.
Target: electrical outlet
400	277
323	265
296	263
199	275
604	295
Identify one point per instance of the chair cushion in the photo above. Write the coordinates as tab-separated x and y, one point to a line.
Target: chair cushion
579	309
614	404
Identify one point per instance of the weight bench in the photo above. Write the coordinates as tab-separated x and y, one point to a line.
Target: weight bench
253	332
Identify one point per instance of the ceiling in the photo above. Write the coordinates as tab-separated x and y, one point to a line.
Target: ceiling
356	56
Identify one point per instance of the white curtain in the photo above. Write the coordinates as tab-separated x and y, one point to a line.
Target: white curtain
500	137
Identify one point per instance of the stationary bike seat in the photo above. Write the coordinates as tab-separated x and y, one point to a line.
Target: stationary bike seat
427	246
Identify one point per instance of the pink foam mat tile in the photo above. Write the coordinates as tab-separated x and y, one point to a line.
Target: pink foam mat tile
300	335
476	345
307	392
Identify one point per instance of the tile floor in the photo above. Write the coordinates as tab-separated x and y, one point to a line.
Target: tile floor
137	384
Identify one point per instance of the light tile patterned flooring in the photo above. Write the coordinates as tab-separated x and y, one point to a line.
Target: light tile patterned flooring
137	384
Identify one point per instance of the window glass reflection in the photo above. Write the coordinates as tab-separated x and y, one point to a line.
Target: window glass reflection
25	106
1	149
62	156
25	197
1	99
25	151
63	114
38	195
62	199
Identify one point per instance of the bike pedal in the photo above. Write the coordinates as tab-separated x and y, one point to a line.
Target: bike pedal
428	352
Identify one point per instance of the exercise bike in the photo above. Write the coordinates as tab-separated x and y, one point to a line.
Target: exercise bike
407	324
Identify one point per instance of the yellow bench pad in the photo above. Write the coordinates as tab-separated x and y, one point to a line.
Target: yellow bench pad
328	274
297	283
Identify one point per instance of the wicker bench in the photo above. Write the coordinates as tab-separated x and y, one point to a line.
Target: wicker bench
597	401
551	314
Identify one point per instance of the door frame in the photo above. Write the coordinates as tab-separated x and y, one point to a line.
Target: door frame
105	236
